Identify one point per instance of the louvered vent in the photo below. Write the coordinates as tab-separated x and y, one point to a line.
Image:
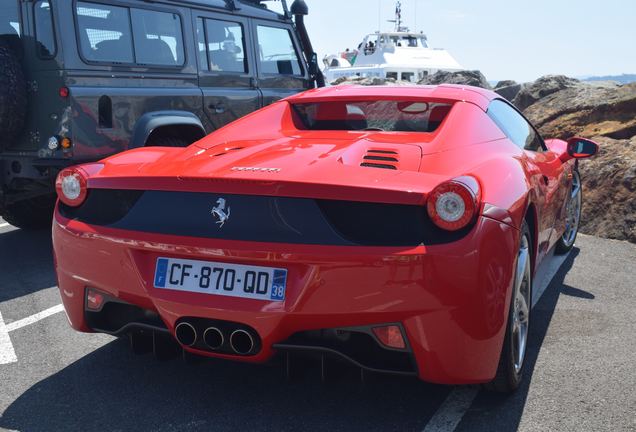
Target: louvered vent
386	159
227	150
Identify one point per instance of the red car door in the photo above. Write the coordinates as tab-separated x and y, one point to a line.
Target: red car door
549	178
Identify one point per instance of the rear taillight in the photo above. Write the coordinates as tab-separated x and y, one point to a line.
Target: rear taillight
71	186
453	205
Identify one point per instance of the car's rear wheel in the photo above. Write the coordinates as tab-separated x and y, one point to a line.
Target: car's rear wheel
513	353
572	216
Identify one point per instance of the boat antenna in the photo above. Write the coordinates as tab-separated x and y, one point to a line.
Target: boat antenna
398	18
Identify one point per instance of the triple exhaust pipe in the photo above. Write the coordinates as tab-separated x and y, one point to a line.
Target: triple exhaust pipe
241	342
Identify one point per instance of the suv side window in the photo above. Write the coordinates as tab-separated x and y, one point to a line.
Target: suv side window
105	35
225	46
158	37
10	22
515	126
104	32
44	29
277	54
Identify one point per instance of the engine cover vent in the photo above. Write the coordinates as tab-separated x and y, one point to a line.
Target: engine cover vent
376	158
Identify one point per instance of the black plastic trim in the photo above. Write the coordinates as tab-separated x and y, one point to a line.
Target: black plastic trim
318	349
262	218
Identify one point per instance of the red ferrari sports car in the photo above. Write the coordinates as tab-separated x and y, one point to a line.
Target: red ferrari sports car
398	228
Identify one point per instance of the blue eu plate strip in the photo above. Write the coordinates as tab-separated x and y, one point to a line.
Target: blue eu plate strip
161	272
279	285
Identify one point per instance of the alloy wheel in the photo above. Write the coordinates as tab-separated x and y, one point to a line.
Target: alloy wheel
573	211
521	304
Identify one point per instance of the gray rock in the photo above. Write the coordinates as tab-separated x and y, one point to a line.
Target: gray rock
509	92
364	81
505	83
465	77
544	86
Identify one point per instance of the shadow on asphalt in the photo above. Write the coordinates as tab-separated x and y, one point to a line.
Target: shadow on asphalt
26	262
112	389
495	412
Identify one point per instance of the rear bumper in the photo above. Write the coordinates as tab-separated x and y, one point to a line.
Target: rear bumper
451	300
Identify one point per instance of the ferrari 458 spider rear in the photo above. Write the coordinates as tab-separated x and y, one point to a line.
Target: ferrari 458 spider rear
398	228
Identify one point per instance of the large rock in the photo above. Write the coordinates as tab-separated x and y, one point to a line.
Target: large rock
544	86
367	81
508	89
505	83
609	190
466	77
588	110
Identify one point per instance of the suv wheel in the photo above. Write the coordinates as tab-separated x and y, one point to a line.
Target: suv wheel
32	213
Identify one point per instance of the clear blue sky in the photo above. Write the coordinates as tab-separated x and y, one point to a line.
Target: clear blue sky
513	39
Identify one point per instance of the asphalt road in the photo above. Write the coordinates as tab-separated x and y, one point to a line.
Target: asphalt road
581	367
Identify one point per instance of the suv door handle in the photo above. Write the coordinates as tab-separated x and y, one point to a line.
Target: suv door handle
217	108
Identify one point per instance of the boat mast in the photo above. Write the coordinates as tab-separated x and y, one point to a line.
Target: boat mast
398	18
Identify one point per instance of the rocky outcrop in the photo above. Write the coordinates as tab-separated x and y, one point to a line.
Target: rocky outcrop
508	89
472	78
544	86
606	109
609	190
372	81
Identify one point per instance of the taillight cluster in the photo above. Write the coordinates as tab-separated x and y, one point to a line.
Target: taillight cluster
453	205
71	186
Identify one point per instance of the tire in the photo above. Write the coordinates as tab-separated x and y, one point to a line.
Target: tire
13	94
166	141
573	216
34	213
511	362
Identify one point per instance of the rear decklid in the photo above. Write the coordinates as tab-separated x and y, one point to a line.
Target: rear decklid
358	167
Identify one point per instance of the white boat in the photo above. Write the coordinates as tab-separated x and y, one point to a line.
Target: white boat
400	54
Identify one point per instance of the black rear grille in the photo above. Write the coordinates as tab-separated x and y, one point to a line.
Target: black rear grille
381	158
261	218
377	165
374	158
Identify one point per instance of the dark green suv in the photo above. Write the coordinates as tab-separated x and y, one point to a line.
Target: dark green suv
84	79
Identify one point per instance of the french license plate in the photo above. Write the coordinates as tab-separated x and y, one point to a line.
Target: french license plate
233	280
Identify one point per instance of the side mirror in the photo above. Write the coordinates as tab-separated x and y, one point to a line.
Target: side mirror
581	148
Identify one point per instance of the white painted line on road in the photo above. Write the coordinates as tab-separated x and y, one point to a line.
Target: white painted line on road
546	272
2	225
34	318
7	353
451	412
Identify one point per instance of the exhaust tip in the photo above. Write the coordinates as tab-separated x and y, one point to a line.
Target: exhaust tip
241	342
186	334
213	338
